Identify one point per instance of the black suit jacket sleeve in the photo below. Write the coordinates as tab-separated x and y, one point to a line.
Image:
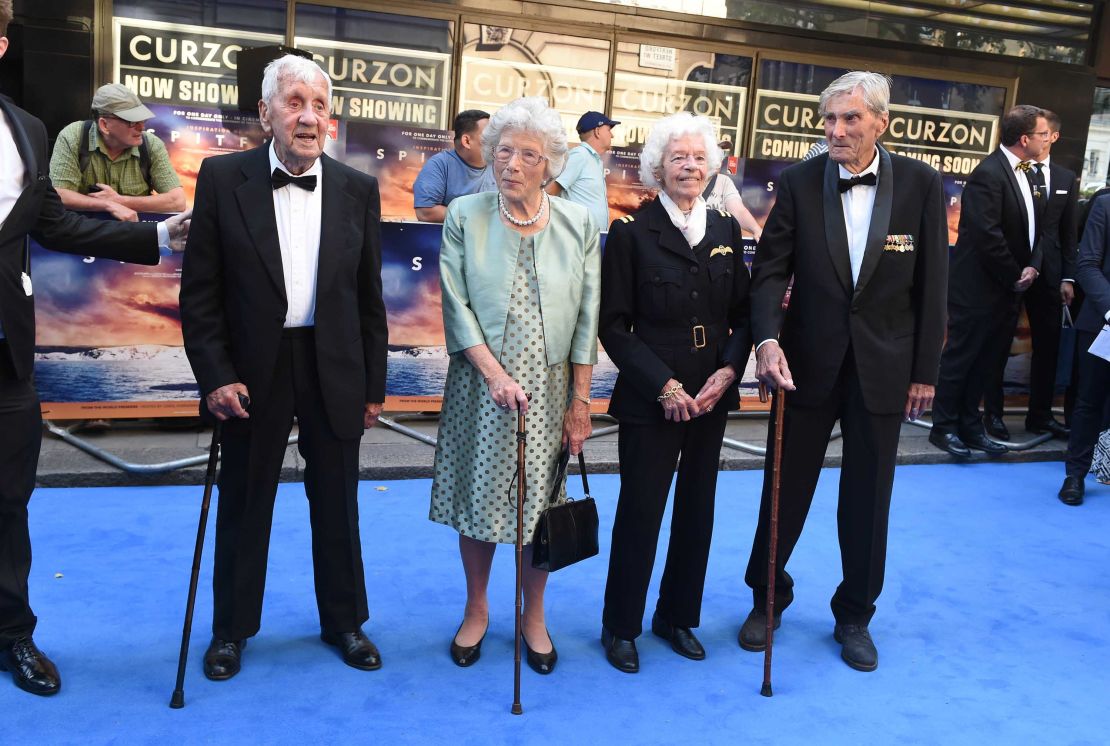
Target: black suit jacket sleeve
636	361
930	297
203	316
1069	230
1093	269
982	201
774	265
739	346
371	310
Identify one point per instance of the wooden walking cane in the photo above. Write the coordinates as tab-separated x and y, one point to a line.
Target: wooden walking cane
521	494
177	700
776	475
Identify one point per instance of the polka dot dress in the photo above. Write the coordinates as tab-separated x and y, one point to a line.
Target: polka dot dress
476	451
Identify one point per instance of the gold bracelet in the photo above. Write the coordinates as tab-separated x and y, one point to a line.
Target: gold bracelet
583	399
669	392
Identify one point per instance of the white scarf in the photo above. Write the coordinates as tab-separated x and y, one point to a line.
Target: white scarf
691	226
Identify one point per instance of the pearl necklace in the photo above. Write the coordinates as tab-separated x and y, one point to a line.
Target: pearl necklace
522	223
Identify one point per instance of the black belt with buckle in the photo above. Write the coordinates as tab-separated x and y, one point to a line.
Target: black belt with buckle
697	336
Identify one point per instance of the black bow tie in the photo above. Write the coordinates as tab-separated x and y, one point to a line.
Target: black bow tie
846	184
281	178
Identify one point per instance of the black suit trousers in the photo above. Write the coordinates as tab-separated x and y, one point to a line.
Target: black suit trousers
1043	307
1092	408
977	339
648	454
866	482
20	441
253	450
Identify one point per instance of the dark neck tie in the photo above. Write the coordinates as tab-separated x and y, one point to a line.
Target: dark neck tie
280	178
846	184
1040	197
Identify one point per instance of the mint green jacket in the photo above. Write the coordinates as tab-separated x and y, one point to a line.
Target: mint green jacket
477	262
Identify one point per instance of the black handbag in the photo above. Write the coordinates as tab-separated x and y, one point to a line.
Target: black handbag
566	533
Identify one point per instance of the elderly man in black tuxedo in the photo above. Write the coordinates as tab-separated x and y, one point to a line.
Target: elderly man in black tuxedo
29	205
281	302
998	256
1092	405
1056	198
863	233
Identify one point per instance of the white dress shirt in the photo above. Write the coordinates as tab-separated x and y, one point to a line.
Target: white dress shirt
858	203
13	178
1026	191
298	212
692	226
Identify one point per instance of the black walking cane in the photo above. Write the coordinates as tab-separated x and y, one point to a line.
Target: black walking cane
177	700
521	494
776	475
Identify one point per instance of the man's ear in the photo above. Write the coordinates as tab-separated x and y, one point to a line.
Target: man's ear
264	116
3	45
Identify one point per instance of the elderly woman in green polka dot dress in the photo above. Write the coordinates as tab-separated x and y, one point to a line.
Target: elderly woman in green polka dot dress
520	276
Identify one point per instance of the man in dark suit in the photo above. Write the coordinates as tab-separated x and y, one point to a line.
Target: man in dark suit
29	205
1092	405
281	302
863	232
997	257
1044	300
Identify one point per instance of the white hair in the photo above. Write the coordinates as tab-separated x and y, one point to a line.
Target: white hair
532	116
291	67
874	88
669	129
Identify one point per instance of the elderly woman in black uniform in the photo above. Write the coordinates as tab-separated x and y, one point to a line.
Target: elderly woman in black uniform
674	319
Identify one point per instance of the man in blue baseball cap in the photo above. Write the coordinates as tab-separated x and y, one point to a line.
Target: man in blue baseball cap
583	179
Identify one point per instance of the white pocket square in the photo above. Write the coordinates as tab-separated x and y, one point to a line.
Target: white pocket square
1061	191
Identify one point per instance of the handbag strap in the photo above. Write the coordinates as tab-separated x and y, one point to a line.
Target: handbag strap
564	460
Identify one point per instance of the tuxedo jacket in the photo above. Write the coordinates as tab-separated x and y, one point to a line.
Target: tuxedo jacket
892	319
233	300
1093	268
654	290
993	244
1058	228
39	212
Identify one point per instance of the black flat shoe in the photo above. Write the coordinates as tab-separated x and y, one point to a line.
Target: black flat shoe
682	639
358	652
857	648
223	659
31	670
995	427
620	653
469	655
1071	493
981	442
753	632
1048	426
542	663
949	443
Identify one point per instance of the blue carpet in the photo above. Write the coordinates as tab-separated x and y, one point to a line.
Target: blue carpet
992	628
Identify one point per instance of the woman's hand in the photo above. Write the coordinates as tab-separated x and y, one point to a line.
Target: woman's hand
715	387
576	426
678	407
507	393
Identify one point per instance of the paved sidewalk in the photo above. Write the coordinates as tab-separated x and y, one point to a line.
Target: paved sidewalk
386	454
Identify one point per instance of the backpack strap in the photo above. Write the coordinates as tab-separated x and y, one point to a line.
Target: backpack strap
83	147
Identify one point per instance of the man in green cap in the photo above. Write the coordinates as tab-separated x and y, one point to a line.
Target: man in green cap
110	163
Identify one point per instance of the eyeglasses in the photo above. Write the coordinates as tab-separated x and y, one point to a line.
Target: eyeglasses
126	123
1044	134
504	154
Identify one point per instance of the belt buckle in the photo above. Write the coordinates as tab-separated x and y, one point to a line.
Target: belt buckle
699	337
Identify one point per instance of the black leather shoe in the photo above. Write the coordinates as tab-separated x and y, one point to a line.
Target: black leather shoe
995	427
469	655
981	442
753	632
223	658
31	670
543	663
1071	493
682	639
1057	429
949	442
620	653
358	652
857	648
